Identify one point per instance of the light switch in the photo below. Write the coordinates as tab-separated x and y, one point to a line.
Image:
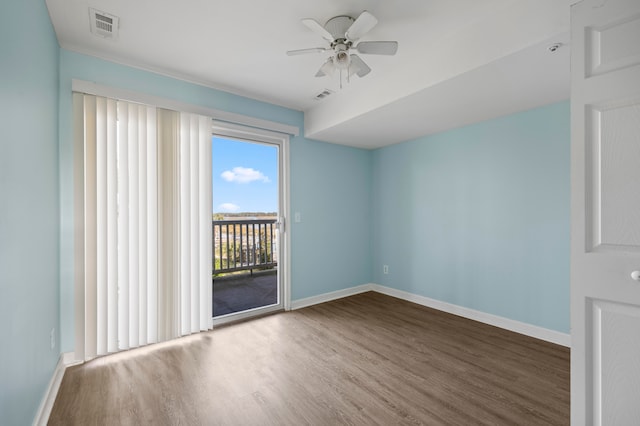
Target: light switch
297	217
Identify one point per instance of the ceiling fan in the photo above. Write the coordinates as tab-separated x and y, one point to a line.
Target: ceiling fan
342	33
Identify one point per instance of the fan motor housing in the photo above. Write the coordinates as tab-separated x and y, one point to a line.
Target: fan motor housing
338	26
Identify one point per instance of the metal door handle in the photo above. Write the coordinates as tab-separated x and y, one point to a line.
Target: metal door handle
635	275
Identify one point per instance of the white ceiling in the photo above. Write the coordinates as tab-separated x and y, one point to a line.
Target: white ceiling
458	61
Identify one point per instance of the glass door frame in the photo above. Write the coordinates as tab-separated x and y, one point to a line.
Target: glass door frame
281	141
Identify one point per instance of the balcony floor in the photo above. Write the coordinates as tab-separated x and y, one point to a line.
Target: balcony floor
239	293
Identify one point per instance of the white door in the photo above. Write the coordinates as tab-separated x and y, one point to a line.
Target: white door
605	202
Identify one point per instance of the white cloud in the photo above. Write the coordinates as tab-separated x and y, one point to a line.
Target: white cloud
228	208
244	175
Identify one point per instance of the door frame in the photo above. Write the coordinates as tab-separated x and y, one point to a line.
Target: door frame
256	135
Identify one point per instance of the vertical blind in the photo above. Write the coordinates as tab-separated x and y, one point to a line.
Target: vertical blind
144	227
195	223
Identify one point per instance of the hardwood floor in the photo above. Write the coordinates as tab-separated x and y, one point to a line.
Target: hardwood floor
363	360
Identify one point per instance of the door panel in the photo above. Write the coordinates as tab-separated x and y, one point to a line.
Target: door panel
615	201
605	212
616	363
605	52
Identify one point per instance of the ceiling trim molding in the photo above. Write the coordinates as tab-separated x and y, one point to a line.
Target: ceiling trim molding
92	88
174	74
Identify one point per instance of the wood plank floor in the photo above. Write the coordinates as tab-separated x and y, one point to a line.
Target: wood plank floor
363	360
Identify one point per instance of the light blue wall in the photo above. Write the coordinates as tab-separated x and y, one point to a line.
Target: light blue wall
29	213
479	216
326	181
331	245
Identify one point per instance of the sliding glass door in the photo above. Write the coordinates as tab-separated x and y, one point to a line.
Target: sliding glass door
247	221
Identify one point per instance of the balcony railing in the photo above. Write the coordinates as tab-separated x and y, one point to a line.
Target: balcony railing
240	245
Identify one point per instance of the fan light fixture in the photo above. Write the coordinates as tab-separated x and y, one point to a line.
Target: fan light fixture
343	59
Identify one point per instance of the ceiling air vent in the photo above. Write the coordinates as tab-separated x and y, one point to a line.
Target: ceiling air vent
320	96
103	24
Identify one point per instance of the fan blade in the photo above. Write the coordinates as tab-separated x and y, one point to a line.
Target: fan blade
303	51
361	26
377	47
362	69
326	69
318	29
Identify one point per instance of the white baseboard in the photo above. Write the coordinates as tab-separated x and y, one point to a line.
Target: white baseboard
69	359
44	410
541	333
326	297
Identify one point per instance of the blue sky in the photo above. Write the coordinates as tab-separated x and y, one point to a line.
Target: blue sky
245	176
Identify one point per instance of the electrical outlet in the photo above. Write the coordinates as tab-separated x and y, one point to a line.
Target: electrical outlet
52	335
385	269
